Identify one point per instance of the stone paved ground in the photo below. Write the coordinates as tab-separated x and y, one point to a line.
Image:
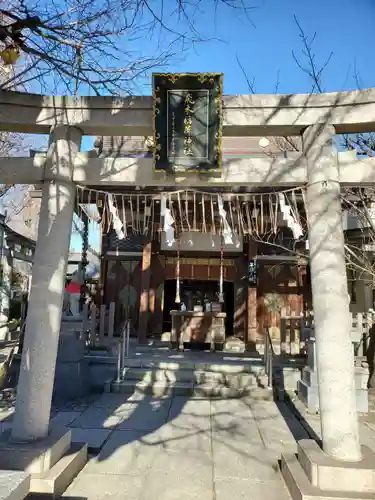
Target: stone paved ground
168	449
180	448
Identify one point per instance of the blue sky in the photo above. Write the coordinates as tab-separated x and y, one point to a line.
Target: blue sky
343	27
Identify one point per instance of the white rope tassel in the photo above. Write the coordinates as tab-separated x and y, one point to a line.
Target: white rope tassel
270	207
255	216
154	228
178	298
187	211
204	228
180	214
239	215
221	283
124	216
194	212
231	216
138	221
275	219
213	229
132	215
248	217
146	217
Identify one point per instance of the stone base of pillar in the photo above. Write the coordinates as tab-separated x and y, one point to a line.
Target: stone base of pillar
314	474
51	463
72	371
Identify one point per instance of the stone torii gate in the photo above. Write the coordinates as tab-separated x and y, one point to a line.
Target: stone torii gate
317	118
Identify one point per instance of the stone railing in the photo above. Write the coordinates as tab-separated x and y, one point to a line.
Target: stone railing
362	324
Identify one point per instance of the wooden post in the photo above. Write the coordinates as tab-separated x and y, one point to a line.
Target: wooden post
85	319
93	326
103	310
111	322
251	302
145	292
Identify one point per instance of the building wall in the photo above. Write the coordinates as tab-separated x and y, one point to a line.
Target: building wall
360	287
282	292
122	286
286	281
202	242
23	212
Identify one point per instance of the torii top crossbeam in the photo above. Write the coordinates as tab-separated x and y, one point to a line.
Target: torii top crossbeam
244	115
289	114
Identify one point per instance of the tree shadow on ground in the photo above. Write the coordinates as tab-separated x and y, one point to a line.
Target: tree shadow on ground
291	414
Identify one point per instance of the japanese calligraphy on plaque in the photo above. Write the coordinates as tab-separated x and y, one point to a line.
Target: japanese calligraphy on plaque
187	121
252	273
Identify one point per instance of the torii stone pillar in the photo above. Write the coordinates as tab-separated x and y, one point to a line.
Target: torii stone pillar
334	350
35	386
6	265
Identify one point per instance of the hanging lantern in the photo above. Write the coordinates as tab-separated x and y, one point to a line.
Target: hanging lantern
221	292
10	55
178	298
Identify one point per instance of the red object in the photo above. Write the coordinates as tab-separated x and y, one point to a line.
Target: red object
73	288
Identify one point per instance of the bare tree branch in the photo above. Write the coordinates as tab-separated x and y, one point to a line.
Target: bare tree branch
313	72
90	44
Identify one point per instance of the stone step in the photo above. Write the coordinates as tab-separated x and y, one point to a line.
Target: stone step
207	389
255	366
55	481
224	392
14	485
194	376
157	389
160	345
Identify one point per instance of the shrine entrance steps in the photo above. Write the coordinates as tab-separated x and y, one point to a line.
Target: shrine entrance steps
162	372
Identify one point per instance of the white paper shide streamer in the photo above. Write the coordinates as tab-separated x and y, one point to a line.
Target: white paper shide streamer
116	222
168	221
227	231
289	217
233	216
